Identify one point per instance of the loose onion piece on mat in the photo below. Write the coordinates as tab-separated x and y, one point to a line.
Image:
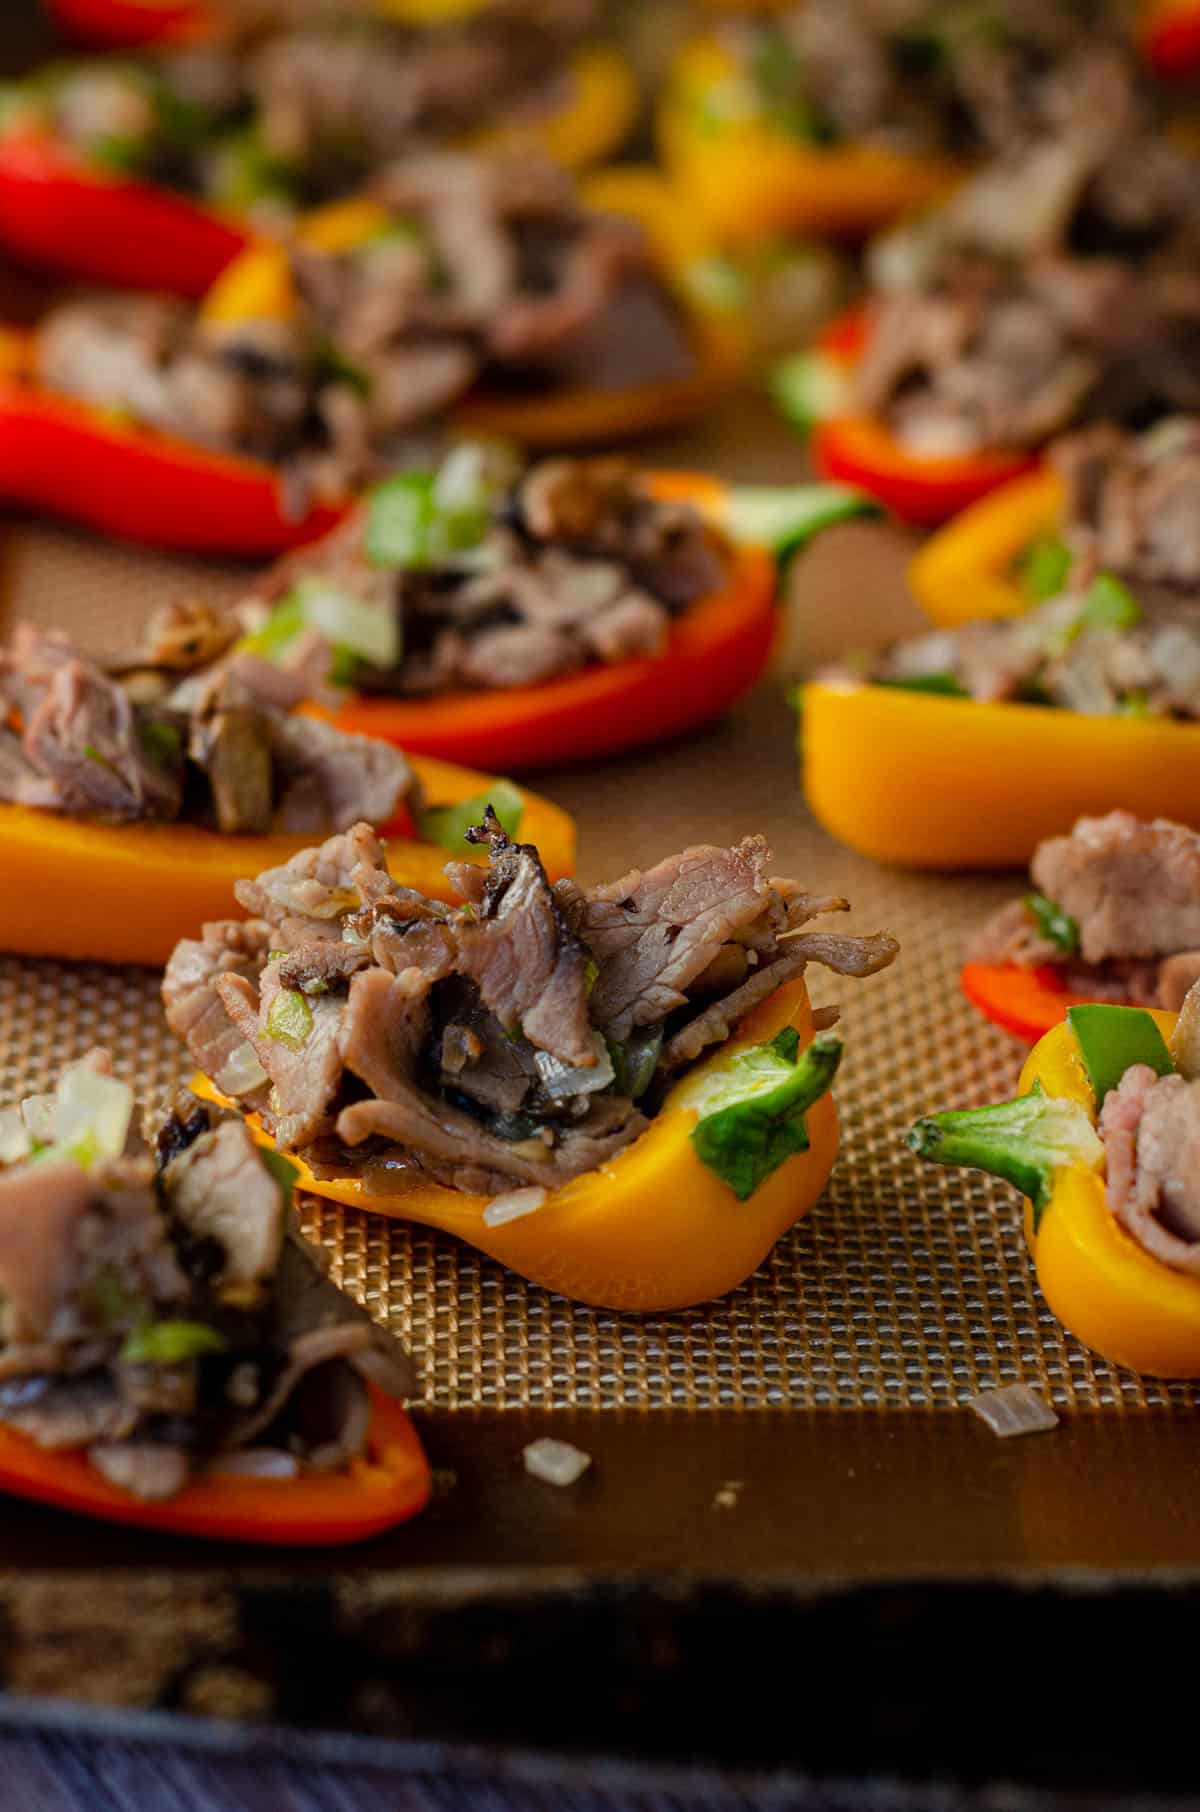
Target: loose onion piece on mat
1013	1410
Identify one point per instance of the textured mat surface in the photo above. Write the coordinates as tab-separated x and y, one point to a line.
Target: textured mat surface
907	1287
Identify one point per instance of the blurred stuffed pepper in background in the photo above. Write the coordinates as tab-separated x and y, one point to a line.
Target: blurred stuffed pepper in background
155	173
482	291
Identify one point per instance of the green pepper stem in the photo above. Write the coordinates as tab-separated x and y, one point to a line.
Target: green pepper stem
1023	1141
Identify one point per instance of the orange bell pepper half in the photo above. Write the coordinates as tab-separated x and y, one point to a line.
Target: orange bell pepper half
653	1229
748	180
936	782
63	211
1104	1287
1026	1002
388	1486
815	389
716	650
138	888
965	572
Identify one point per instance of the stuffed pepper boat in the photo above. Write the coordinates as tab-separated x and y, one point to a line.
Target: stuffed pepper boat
620	1092
528	615
1056	287
967	747
171	1354
839	116
184	770
483	289
1114	915
127	24
1100	1141
156	173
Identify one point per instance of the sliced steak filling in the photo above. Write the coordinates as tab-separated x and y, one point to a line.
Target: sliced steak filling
1150	1126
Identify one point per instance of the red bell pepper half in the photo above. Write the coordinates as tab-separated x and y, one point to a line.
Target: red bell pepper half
1026	1002
124	24
59	211
1172	39
315	1510
64	458
862	450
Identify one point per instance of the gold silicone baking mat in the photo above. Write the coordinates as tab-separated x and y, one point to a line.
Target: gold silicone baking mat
907	1286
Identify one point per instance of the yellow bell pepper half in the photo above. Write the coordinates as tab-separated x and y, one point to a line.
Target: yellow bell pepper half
653	1229
936	782
133	890
748	180
1097	1280
965	572
258	286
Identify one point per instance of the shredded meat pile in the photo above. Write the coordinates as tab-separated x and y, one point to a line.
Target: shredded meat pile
158	1313
578	563
522	1038
1132	890
1150	1126
1133	508
219	747
491	268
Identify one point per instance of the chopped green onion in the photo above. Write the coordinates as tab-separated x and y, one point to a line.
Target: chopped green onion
1044	566
1109	605
785	518
400	520
752	1108
91	1115
1053	923
281	627
943	684
353	625
1112	1039
162	742
284	1172
716	283
1134	704
171	1343
447	825
289	1018
808	388
1023	1141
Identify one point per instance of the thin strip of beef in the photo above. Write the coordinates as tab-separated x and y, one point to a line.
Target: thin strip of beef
194	1009
1133	888
304	1067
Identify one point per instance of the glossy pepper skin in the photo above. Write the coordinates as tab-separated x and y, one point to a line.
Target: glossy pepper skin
935	782
966	571
862	450
1026	1002
127	24
748	180
1097	1280
146	886
70	214
1171	38
653	1229
388	1486
715	651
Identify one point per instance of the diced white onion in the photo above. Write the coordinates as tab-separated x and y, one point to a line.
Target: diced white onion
241	1073
1013	1410
37	1111
370	630
93	1111
512	1207
15	1140
1185	1039
256	1463
561	1080
556	1462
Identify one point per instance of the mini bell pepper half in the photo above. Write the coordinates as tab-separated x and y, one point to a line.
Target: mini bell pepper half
126	24
389	1485
73	214
943	782
716	650
98	468
1171	38
815	391
997	558
1097	1280
656	1228
748	178
1026	1002
148	885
